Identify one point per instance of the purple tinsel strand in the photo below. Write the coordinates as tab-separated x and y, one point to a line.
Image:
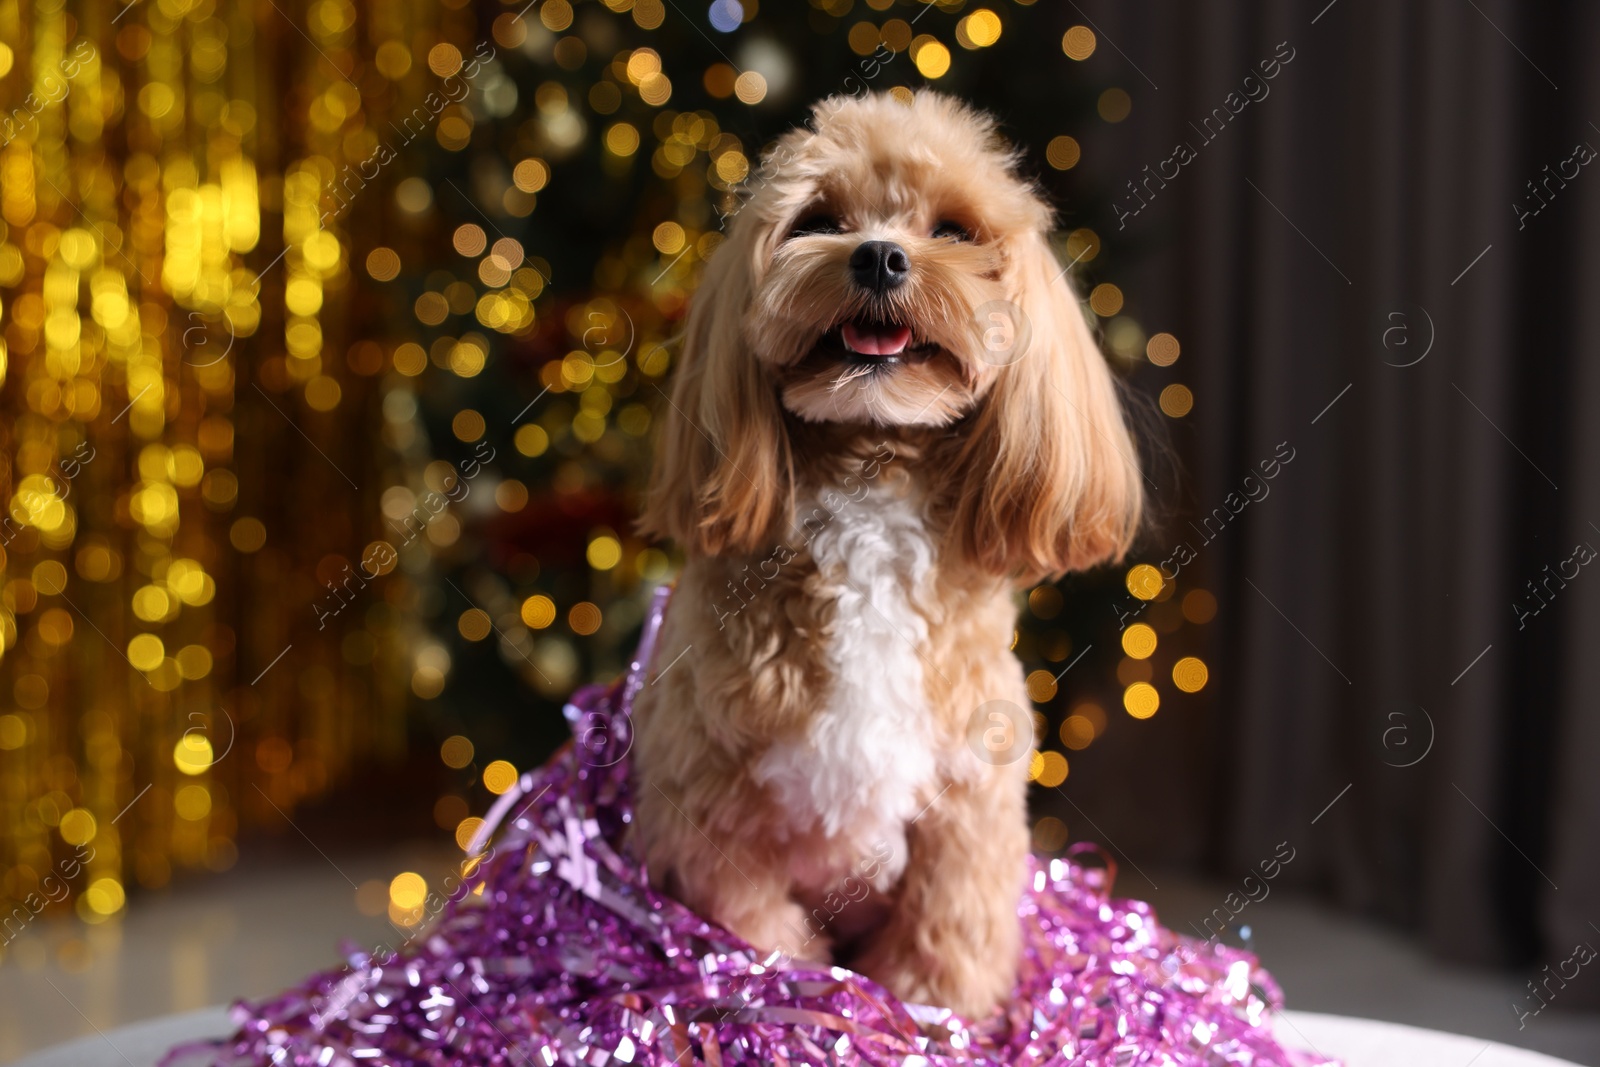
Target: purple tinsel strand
556	950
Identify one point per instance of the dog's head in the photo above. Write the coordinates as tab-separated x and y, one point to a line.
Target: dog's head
891	268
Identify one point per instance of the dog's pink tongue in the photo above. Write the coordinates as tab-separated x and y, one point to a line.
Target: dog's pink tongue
876	340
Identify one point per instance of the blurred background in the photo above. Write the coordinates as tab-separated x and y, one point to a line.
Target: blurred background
332	334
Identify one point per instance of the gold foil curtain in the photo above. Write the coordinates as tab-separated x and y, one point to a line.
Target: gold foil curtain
187	434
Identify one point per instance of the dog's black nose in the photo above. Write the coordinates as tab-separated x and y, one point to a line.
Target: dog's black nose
880	265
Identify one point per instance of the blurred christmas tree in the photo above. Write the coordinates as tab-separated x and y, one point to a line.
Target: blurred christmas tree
548	232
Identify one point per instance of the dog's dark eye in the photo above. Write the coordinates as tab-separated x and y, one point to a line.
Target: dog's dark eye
952	231
816	224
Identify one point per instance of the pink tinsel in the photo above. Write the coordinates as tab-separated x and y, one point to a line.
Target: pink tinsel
567	956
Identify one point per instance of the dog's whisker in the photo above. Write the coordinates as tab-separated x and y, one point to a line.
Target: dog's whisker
849	376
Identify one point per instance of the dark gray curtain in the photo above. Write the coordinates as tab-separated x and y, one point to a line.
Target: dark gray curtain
1361	211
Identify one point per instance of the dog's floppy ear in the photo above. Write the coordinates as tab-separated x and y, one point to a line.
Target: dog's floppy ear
723	472
1046	479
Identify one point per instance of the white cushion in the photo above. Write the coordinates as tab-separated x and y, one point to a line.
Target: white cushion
1366	1043
1359	1042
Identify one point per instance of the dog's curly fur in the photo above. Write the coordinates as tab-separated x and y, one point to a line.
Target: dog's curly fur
809	760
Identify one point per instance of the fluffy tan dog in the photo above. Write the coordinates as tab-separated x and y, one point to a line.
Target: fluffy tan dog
888	416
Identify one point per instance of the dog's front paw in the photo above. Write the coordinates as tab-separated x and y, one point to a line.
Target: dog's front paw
971	984
784	928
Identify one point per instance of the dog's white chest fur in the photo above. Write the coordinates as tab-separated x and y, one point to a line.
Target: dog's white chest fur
859	773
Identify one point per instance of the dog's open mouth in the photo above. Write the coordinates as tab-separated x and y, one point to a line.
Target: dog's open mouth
874	342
